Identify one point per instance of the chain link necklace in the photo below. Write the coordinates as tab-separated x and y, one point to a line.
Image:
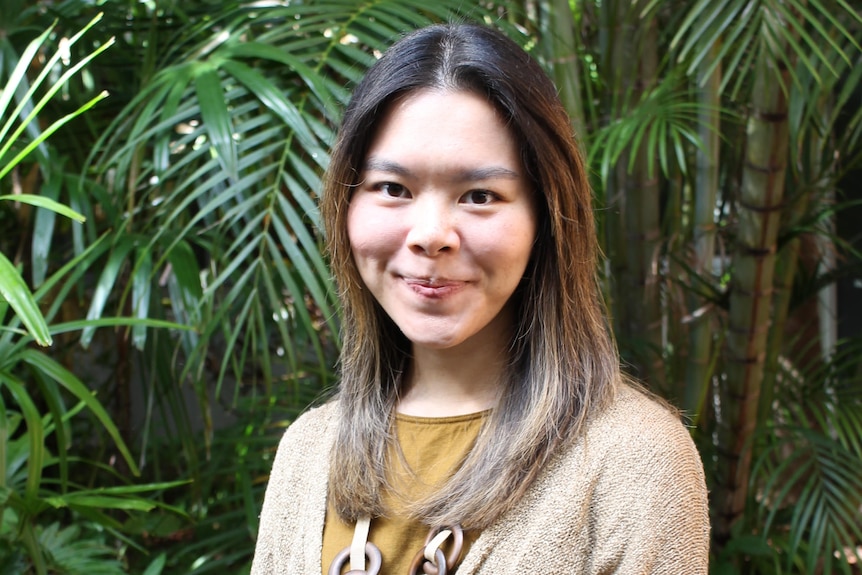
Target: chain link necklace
430	560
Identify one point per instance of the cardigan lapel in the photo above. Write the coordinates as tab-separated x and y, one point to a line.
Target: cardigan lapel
313	509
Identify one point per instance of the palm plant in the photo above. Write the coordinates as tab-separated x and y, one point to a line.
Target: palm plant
204	178
33	480
784	56
12	286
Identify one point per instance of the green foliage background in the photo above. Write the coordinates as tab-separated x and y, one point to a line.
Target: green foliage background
152	351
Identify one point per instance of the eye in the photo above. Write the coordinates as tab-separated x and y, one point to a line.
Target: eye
392	190
478	197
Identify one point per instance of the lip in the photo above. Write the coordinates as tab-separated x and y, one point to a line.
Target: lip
434	287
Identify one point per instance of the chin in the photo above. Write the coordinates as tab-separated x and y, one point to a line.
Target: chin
431	342
435	344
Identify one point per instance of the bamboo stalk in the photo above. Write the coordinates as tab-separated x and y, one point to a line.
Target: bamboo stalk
558	30
633	236
752	286
809	160
697	373
642	217
786	266
614	65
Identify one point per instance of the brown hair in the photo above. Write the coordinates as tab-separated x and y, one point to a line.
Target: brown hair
563	361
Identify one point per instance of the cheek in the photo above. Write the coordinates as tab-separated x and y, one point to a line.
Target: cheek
512	244
353	224
372	236
359	233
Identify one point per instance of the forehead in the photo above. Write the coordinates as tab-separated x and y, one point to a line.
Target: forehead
455	101
442	126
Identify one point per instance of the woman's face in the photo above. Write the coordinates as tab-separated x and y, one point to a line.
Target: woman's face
442	224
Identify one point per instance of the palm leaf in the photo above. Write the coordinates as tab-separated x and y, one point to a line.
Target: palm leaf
813	463
742	28
14	290
667	120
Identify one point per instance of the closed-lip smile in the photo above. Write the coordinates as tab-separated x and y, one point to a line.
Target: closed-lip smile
433	287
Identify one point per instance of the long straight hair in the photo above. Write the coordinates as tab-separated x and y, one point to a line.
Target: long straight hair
563	364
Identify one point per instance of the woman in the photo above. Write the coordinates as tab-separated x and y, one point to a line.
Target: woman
482	424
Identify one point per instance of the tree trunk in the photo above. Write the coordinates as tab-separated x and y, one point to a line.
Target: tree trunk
751	289
560	40
700	346
642	216
614	64
632	197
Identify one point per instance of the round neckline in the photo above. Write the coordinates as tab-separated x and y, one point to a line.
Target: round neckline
425	420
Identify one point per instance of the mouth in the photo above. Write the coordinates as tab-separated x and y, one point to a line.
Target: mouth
434	287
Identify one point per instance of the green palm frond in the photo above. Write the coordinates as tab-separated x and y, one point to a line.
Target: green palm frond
233	480
813	31
73	551
22	101
811	468
822	117
818	487
666	120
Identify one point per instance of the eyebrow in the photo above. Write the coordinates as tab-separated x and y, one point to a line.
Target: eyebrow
460	176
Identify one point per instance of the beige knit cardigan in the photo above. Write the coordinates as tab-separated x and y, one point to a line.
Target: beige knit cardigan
628	497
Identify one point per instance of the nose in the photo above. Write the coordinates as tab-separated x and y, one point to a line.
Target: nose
433	229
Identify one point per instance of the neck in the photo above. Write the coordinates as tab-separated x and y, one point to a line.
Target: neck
455	381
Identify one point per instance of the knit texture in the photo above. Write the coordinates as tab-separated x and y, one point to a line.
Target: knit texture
628	497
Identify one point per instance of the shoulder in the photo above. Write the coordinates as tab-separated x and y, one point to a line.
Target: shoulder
635	424
309	434
636	449
304	444
639	448
317	419
627	496
295	500
650	495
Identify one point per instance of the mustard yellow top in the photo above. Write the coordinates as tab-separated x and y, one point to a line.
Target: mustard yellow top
432	448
